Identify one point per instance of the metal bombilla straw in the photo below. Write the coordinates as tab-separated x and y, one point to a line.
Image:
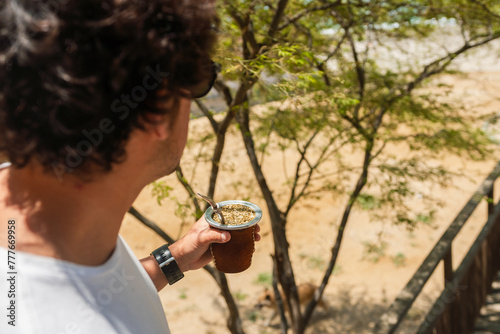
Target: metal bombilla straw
215	206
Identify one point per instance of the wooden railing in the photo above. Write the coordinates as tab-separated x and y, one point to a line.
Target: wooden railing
456	309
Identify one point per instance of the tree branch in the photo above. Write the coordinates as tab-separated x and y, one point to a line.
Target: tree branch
304	12
312	169
303	153
321	65
190	191
247	32
355	123
440	64
486	9
278	16
337	47
208	114
151	225
223	89
360	72
217	155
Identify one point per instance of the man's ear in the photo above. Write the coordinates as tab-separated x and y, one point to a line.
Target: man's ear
159	125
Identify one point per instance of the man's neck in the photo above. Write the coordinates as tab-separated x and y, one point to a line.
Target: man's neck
70	220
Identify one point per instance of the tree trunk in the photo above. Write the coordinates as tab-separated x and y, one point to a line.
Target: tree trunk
233	319
278	221
279	299
219	148
362	180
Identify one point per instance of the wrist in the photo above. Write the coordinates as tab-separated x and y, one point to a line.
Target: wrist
176	252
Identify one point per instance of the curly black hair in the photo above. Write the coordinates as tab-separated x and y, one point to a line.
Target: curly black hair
77	76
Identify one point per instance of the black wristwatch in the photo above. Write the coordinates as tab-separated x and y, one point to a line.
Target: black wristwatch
167	264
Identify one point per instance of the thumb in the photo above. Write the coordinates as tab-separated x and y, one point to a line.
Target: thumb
217	236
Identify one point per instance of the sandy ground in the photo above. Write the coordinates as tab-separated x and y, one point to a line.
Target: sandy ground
361	287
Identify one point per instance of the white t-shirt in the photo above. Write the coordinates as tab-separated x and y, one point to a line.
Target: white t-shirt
52	296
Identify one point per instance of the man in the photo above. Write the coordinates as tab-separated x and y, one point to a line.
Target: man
94	105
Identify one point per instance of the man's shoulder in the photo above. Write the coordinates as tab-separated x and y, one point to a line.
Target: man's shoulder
96	293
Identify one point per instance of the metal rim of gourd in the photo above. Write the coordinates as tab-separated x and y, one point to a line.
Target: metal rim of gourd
258	216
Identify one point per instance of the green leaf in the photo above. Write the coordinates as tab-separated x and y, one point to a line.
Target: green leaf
160	190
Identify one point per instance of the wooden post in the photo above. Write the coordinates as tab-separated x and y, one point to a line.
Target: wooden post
491	204
448	277
448	267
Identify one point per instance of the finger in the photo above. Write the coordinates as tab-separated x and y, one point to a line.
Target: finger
212	235
257	236
205	259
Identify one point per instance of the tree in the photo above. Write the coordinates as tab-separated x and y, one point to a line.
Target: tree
333	89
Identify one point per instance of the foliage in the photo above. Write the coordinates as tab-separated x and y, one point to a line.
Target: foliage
264	279
399	260
160	190
374	250
240	296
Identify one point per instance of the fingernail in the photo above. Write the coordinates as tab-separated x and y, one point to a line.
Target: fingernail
223	236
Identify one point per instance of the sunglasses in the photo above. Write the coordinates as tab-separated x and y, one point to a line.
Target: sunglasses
202	89
195	91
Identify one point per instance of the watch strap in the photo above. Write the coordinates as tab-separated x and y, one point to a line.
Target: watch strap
167	264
